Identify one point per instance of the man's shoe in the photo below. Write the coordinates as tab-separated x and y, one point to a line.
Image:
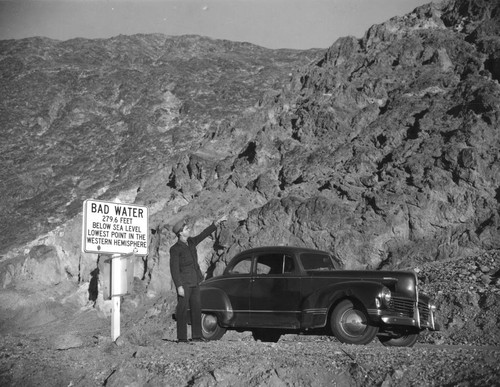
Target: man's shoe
183	341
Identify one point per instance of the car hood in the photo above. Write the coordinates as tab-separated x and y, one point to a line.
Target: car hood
403	283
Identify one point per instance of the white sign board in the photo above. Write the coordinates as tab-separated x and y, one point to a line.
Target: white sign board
114	228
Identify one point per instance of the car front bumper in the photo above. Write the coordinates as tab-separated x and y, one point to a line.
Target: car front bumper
406	313
409	322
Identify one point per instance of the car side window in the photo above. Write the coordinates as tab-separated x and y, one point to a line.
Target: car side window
242	267
312	261
263	268
274	264
288	265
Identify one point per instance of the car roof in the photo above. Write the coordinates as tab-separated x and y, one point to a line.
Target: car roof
282	249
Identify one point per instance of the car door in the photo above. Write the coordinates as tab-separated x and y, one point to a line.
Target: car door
236	285
275	292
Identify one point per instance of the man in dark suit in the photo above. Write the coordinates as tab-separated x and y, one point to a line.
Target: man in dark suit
187	276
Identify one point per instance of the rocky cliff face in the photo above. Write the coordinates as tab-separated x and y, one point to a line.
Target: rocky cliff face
383	150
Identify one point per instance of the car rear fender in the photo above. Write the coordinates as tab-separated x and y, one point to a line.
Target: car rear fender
215	301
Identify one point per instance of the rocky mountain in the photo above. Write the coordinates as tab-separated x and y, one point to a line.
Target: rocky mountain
92	118
106	118
387	148
383	150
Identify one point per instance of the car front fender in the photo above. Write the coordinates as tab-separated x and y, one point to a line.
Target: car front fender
320	302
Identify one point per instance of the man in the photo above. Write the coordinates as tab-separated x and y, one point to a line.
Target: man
187	275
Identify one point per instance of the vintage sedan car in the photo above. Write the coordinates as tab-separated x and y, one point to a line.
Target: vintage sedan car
272	291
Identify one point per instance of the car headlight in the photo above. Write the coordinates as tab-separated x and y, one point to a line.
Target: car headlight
385	296
432	308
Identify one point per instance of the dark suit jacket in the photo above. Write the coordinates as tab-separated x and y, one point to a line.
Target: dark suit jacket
184	265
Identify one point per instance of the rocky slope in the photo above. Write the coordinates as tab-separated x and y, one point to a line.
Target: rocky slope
106	118
383	150
92	118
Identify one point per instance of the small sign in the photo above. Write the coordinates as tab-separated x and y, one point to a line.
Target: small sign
114	228
122	274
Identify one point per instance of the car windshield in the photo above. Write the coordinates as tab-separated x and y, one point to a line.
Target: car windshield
315	261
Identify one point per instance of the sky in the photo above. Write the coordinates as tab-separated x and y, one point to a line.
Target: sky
299	24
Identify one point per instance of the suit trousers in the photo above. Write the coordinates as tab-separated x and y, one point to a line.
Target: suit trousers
190	300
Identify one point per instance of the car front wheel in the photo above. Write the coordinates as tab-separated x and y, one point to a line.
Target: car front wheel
349	324
401	341
210	328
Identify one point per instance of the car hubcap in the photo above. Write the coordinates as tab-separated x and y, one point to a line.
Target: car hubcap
353	323
209	323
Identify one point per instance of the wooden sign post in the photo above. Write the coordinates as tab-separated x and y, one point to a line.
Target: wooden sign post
121	282
115	296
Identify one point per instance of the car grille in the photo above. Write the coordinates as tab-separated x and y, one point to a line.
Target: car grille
423	309
404	308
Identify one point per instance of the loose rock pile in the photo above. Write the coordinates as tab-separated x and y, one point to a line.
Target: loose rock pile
467	295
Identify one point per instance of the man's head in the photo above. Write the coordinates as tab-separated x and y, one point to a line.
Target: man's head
183	227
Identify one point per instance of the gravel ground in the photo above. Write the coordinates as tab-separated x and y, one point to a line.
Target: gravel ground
237	360
78	351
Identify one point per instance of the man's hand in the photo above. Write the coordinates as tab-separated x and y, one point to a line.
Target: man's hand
220	220
180	291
